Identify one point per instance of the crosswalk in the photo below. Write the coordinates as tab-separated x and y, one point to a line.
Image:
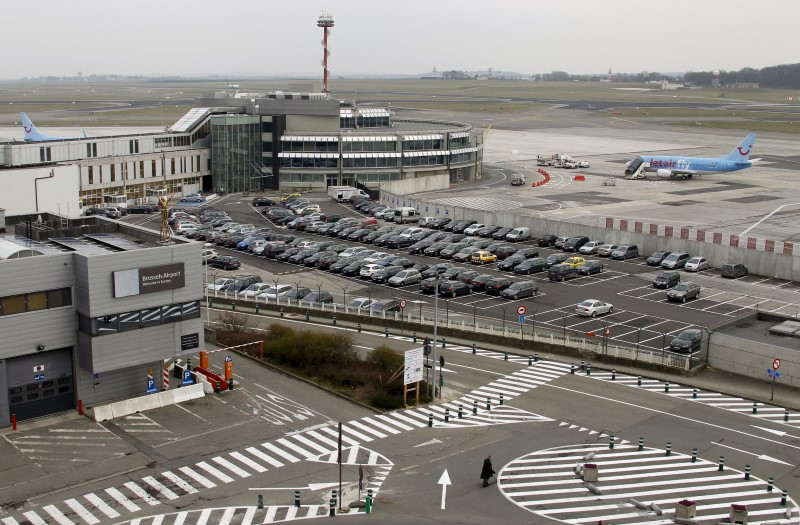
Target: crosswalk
771	413
481	407
635	487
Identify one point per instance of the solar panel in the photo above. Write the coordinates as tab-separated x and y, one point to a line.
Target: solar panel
40	247
113	240
79	245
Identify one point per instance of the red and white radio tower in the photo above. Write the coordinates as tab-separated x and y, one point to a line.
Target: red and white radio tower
325	22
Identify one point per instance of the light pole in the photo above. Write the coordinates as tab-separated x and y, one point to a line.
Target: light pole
297	292
344	296
435	330
276	281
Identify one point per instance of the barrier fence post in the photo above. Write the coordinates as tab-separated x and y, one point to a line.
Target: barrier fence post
369	501
669	448
80	407
694	455
297	498
474	407
641	444
721	465
14	421
460	411
747	472
260	501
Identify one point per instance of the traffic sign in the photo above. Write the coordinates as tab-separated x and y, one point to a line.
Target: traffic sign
776	364
228	359
521	310
521	319
402	303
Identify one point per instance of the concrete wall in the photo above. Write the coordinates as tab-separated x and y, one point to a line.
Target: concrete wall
19	195
400	188
752	359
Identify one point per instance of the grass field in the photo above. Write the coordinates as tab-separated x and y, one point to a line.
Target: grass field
150	102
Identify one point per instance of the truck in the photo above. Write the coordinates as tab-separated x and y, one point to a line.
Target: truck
343	193
560	160
518	179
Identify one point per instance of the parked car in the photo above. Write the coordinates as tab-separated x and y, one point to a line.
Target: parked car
556	258
263	201
559	242
254	290
734	270
593	308
625	251
496	285
368	269
225	262
687	341
520	289
561	272
472	229
574	261
384	305
547	240
406	277
483	257
359	302
208	254
675	260
657	258
219	284
454	288
297	293
684	291
194	198
426	221
590	248
242	282
141	208
384	274
488	231
519	234
606	250
500	235
276	292
319	297
532	265
590	267
478	283
667	279
696	264
574	244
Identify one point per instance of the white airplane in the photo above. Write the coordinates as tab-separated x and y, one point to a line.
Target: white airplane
32	134
231	86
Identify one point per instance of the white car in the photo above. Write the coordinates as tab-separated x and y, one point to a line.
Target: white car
695	264
207	255
359	302
254	290
606	249
219	283
473	229
593	308
591	247
368	269
313	225
374	256
274	292
349	252
408	232
425	221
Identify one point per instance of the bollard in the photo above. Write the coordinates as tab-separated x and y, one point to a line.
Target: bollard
335	497
613	374
256	308
460	411
611	441
430	419
230	384
530	360
641	444
260	501
210	302
414	336
233	306
669	448
217	387
444	342
359	328
281	312
770	481
721	465
386	332
505	356
588	369
308	315
475	407
666	386
583	365
501	398
755	407
13	421
334	320
694	394
572	368
297	498
332	511
694	455
639	381
747	472
786	414
536	356
80	407
784	496
488	403
446	415
473	348
369	501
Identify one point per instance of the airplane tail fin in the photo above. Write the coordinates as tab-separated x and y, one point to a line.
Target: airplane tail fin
31	133
741	153
85	134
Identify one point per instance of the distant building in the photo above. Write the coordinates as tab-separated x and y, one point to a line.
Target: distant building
742	85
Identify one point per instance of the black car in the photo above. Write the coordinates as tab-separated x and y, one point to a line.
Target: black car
298	293
497	284
454	288
419	246
242	282
326	259
403	261
590	267
488	231
383	275
657	258
556	258
478	283
142	208
428	285
462	225
510	263
573	244
263	201
301	256
319	297
372	236
399	241
532	265
500	234
434	249
384	305
687	341
548	240
667	280
468	276
284	256
436	269
453	273
225	262
354	268
520	289
438	224
341	264
507	250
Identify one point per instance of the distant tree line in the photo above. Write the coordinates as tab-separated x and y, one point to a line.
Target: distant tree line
785	76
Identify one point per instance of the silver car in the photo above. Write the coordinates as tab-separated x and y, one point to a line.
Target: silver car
606	249
405	277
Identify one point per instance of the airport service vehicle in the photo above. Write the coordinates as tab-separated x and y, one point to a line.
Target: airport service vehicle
518	179
560	160
344	193
593	308
673	166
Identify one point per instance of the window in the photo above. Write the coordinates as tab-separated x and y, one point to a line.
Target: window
107	324
153	170
113	172
13	305
172	163
151	317
37	301
141	169
191	310
133	146
91	174
129	321
171	313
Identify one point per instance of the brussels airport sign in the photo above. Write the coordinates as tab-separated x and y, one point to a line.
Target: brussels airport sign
149	279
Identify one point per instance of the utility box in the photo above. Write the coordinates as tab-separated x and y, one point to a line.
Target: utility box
738	513
590	472
685	509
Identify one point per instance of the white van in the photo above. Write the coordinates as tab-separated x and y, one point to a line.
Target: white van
406	214
519	234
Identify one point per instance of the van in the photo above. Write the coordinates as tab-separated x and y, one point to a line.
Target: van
733	270
406	214
519	234
675	260
625	251
562	272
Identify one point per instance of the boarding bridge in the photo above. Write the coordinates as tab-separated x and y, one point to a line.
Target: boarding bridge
639	173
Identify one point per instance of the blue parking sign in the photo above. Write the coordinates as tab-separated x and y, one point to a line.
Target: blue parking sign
151	386
187	378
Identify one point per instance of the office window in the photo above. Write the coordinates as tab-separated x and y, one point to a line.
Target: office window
91	174
107	324
191	310
113	172
129	321
172	163
171	313
37	301
141	169
13	305
151	316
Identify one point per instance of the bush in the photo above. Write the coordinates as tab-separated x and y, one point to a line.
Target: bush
385	359
237	322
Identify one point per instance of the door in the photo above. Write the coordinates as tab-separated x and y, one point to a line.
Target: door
331	179
40	384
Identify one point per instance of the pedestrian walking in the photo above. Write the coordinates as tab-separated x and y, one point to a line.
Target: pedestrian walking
487	471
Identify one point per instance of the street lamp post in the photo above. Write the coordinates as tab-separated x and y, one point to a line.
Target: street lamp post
435	333
344	296
297	292
276	281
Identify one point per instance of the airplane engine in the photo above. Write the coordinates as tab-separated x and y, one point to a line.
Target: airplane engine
664	173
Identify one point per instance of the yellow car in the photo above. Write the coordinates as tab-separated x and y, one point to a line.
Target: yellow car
575	261
483	257
291	196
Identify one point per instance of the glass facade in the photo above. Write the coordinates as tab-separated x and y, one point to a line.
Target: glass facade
235	153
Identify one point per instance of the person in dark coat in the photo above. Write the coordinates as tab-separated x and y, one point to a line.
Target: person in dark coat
487	471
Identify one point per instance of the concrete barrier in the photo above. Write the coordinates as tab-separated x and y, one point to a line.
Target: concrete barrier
127	407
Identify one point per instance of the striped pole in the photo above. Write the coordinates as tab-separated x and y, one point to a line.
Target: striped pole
639	381
747	472
770	481
669	448
694	455
613	374
721	466
165	379
611	441
641	444
755	407
694	394
666	386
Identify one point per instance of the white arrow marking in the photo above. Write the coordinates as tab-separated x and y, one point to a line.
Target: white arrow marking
310	486
431	442
444	481
776	432
762	456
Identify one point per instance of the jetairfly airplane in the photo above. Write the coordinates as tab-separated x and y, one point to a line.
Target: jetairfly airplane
32	134
685	167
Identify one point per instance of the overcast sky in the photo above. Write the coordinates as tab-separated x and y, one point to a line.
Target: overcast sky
261	37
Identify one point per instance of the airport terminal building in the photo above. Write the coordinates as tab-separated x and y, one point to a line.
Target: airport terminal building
236	142
89	307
